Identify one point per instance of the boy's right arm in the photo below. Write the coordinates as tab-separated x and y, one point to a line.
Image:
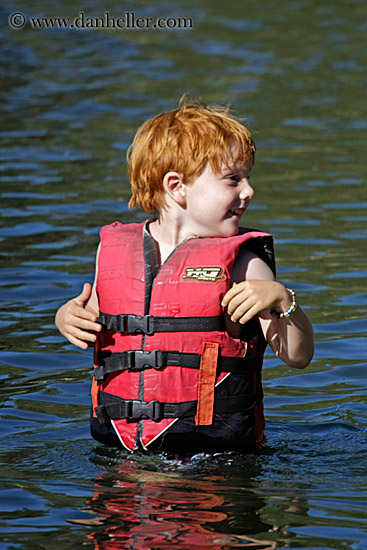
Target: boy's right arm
76	319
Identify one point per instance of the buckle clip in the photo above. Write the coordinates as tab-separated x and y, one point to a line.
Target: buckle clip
141	360
127	323
136	324
144	410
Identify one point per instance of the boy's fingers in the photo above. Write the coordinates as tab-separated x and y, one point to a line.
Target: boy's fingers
238	300
87	324
82	335
232	292
242	299
239	307
228	297
77	310
248	315
85	295
82	313
244	313
240	311
78	343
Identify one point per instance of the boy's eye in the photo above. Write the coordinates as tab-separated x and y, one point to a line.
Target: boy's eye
233	177
236	178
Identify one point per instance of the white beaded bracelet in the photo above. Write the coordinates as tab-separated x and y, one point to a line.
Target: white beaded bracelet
292	308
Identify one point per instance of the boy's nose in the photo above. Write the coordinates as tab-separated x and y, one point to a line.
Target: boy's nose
247	191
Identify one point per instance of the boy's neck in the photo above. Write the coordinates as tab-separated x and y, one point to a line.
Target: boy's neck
168	234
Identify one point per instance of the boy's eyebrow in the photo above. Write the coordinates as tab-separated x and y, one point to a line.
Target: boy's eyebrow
236	169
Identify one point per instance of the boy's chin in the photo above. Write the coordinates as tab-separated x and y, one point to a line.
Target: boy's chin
231	233
228	231
231	229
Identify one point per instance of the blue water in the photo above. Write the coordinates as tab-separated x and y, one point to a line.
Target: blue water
70	104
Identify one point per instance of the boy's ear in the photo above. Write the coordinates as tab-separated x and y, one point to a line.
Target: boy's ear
174	187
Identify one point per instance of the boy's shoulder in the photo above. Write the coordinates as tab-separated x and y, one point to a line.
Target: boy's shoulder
117	228
258	244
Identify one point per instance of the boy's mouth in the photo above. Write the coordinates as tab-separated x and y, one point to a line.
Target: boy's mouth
236	211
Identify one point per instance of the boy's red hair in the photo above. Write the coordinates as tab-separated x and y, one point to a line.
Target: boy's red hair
184	141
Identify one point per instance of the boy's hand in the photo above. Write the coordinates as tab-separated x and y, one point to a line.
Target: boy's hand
77	323
249	298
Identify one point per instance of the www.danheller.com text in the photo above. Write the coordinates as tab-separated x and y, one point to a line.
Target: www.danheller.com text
127	20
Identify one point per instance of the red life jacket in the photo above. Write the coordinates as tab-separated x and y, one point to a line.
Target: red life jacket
165	353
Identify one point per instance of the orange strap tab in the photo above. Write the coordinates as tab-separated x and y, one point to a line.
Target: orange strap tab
207	377
95	390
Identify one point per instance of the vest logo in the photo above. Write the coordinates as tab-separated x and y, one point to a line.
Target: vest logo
205	274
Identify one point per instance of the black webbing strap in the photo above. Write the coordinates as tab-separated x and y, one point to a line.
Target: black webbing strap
138	360
149	324
115	408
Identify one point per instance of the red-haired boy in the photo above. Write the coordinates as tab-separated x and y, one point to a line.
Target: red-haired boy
183	305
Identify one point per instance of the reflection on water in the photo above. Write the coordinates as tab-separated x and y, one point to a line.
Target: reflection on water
70	104
146	508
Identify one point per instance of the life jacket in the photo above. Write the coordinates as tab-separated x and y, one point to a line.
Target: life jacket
165	355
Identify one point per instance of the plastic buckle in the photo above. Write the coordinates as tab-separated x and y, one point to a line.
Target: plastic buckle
139	325
121	323
144	360
144	410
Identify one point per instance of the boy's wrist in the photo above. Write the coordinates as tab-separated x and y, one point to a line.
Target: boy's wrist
286	306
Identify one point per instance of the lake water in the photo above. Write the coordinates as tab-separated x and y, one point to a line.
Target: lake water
71	101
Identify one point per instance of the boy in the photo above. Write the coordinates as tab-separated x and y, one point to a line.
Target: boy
183	306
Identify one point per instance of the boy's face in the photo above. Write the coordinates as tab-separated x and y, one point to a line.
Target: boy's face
215	203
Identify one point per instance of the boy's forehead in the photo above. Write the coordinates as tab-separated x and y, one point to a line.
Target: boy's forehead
236	158
237	164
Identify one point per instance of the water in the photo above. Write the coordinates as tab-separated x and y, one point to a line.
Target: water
71	101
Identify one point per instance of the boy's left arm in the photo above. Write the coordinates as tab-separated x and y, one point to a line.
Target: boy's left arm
291	338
